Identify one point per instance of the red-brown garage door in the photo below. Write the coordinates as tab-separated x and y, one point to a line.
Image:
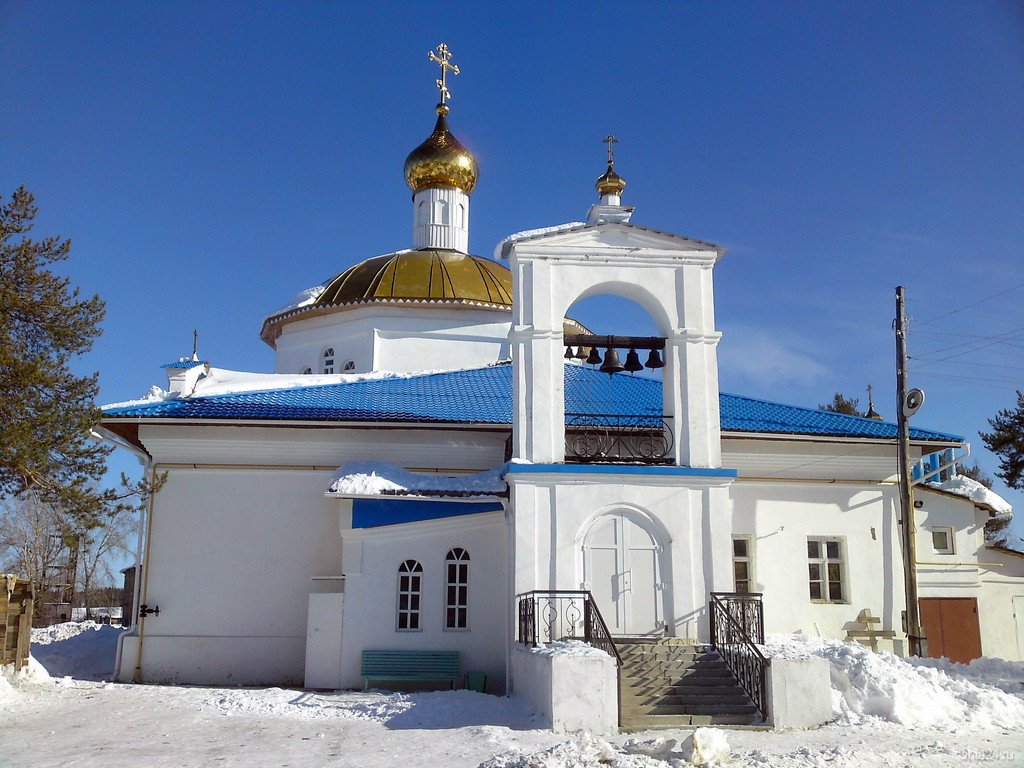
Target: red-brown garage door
951	624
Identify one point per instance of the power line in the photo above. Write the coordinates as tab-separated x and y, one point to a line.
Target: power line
969	365
973	304
974	381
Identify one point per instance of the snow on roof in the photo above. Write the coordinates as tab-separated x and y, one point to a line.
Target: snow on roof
377	478
501	249
975	491
301	299
222	381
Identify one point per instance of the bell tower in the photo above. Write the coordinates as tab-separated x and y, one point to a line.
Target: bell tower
669	275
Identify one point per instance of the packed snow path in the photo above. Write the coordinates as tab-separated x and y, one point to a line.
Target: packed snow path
79	720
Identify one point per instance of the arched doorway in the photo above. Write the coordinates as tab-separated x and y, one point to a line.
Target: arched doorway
622	568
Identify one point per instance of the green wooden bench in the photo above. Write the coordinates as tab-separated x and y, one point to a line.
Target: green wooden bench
427	666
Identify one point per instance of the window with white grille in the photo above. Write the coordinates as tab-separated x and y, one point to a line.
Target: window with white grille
456	609
825	570
410	593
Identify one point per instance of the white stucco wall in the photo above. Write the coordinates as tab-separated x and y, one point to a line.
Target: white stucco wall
972	570
231	561
372	557
689	516
780	516
799	693
393	338
552	684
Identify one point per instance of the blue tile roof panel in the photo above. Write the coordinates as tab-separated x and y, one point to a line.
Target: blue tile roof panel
184	364
484	396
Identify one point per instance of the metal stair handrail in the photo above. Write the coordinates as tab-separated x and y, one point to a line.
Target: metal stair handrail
732	641
546	615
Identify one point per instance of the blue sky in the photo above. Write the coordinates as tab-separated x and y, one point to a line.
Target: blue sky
208	160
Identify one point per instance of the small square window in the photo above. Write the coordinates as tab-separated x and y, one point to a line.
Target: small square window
942	541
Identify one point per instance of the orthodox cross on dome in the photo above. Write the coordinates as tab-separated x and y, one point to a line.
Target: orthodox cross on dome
442	57
609	140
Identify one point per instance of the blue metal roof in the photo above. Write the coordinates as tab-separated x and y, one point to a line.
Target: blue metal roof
184	364
484	396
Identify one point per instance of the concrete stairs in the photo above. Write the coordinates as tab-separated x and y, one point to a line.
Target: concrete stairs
665	684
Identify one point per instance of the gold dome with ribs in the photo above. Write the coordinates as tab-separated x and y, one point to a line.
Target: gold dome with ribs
430	274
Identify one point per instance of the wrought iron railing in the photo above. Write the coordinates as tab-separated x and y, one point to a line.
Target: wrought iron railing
562	614
596	437
737	623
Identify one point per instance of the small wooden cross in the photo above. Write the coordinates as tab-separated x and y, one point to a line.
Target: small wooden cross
441	57
609	139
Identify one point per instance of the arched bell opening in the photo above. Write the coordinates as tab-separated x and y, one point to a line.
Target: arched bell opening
614	401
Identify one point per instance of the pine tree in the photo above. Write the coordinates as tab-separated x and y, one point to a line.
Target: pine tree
46	411
840	404
1006	440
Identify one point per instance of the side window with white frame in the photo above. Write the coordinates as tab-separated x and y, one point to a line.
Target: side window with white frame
327	361
350	365
942	540
456	608
742	563
825	570
410	593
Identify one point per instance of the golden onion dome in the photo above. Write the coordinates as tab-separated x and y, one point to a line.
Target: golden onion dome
441	161
610	183
429	274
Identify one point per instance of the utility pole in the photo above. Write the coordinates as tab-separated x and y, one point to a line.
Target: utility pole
915	635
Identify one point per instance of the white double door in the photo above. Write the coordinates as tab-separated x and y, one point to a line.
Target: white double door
622	570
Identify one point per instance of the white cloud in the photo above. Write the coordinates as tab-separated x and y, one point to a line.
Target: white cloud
766	357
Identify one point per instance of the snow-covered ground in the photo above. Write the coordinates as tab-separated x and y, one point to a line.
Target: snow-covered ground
890	712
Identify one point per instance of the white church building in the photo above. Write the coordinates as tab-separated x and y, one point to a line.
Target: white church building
442	460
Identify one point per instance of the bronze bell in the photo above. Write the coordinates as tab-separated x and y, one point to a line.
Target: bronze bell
633	363
595	357
569	354
581	354
611	362
654	360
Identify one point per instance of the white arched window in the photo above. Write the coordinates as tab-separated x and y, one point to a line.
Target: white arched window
456	608
440	211
410	589
307	370
327	361
350	365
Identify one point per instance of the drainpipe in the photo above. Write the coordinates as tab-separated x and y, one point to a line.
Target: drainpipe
100	434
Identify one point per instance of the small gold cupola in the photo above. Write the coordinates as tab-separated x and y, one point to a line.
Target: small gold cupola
610	184
441	173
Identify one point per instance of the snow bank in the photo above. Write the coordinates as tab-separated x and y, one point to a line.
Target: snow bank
869	687
975	491
82	650
704	747
372	478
